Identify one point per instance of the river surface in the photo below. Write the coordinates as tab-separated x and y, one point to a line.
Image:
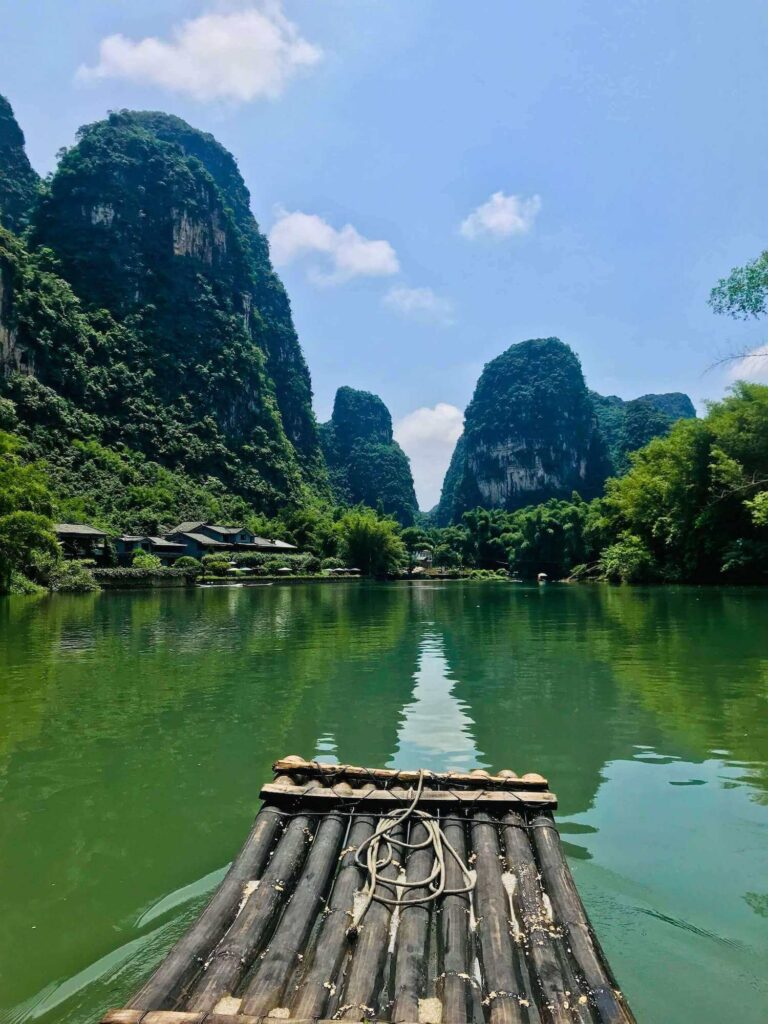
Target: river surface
135	729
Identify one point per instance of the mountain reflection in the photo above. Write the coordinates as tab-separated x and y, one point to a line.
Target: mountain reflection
135	729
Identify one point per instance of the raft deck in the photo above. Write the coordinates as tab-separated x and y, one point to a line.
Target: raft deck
275	940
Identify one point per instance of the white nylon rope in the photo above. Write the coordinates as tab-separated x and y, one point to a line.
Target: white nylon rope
379	849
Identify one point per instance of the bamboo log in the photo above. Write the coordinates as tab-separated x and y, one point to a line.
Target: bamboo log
539	930
266	988
397	796
364	974
352	773
412	931
567	906
496	954
234	954
454	989
187	957
332	944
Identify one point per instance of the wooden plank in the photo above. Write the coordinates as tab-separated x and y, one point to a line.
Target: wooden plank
315	769
400	797
265	990
234	954
185	960
332	945
412	931
567	906
496	957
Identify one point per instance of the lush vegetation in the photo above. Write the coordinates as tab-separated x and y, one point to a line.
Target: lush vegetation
693	506
18	181
365	463
627	426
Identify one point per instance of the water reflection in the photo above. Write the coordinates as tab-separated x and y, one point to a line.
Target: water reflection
435	728
135	729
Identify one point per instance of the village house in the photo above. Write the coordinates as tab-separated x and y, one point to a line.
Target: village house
200	538
79	541
167	551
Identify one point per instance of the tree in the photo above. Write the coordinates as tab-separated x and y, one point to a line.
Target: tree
744	293
370	543
25	511
146	560
22	534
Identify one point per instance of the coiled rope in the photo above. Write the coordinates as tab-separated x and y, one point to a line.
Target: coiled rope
379	849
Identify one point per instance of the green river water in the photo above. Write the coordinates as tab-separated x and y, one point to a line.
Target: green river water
135	729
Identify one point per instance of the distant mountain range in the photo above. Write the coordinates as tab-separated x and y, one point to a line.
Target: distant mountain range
147	346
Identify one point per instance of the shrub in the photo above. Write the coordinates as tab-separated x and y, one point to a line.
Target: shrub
332	563
73	578
627	561
247	559
188	564
145	560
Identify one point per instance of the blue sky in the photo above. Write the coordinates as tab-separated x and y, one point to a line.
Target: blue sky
624	140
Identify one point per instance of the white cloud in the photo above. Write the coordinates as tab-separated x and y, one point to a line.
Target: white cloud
420	304
241	55
751	366
428	437
347	253
502	216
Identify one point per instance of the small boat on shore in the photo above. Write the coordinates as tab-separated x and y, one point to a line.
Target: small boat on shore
370	894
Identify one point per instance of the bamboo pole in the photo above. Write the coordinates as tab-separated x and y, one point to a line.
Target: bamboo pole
496	953
186	959
234	954
266	988
539	930
567	906
454	989
322	974
364	974
412	931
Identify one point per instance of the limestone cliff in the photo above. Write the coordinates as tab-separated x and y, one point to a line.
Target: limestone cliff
530	433
145	304
365	463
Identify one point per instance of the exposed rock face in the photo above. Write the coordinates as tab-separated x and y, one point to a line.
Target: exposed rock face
366	464
629	425
272	327
18	181
161	322
530	433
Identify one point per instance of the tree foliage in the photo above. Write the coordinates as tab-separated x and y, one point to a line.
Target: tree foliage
370	543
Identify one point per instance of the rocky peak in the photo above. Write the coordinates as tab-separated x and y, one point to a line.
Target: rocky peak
18	181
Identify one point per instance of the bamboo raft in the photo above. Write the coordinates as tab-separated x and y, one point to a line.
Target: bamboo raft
275	940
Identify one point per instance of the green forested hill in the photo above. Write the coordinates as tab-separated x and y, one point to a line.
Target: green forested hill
144	313
629	425
533	431
530	433
365	463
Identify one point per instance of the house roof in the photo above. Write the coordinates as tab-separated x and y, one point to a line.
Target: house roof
224	529
280	545
161	542
78	530
132	536
201	539
187	527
